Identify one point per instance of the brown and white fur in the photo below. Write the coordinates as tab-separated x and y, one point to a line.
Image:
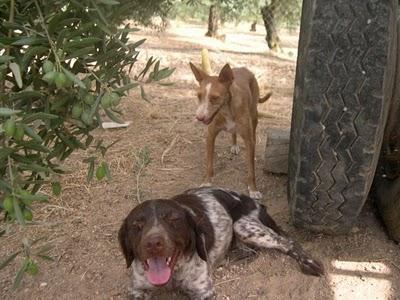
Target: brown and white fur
229	102
175	243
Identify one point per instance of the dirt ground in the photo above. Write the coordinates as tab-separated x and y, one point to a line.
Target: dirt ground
83	222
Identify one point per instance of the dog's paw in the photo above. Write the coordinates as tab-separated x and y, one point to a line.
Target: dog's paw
312	267
235	149
255	195
206	184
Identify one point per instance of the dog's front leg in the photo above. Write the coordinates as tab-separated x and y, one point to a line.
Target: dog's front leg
212	133
194	279
251	177
200	287
141	294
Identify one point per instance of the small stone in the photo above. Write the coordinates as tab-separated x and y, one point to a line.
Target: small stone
43	284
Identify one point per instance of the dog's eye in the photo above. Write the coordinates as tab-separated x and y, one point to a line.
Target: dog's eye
139	224
214	98
174	218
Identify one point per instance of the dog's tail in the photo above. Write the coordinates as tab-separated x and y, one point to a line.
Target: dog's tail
266	97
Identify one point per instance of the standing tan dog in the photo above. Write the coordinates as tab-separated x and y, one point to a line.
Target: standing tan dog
229	102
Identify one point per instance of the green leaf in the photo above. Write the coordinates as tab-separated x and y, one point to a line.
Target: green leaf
5	152
136	44
81	43
128	30
30	40
104	28
99	12
143	94
147	67
37	197
54	22
82	52
156	67
31	133
26	95
39	116
56	188
18	212
6	112
9	259
6	58
17	73
33	145
107	170
109	2
5	186
90	172
164	73
34	167
61	23
126	87
166	83
30	53
20	274
113	117
95	106
90	159
73	78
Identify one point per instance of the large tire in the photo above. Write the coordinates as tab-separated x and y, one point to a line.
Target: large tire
387	178
343	87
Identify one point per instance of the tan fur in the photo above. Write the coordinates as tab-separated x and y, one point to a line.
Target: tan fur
229	102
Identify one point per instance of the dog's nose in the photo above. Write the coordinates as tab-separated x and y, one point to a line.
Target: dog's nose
200	118
155	243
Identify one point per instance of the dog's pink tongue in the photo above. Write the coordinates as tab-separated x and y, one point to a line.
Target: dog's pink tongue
159	272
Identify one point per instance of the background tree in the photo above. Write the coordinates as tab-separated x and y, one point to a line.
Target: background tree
275	14
283	12
268	13
213	21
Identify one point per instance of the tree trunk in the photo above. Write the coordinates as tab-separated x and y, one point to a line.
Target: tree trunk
268	14
213	22
253	26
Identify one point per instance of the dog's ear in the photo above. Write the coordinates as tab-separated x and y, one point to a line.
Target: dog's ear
226	75
198	73
126	247
198	238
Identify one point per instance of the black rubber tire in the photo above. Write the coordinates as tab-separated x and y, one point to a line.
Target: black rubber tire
387	178
344	80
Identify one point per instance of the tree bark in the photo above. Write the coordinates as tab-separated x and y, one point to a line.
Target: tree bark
213	22
253	27
268	14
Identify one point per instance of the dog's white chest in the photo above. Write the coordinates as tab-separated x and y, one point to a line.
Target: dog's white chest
230	125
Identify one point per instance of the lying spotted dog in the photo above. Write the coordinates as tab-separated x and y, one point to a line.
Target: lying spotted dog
174	243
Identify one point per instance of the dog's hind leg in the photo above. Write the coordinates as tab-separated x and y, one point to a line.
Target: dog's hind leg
250	230
235	149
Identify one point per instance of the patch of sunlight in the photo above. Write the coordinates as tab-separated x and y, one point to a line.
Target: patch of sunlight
360	280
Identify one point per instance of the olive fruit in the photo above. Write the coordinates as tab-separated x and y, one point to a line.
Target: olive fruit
48	66
9	127
77	110
100	172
